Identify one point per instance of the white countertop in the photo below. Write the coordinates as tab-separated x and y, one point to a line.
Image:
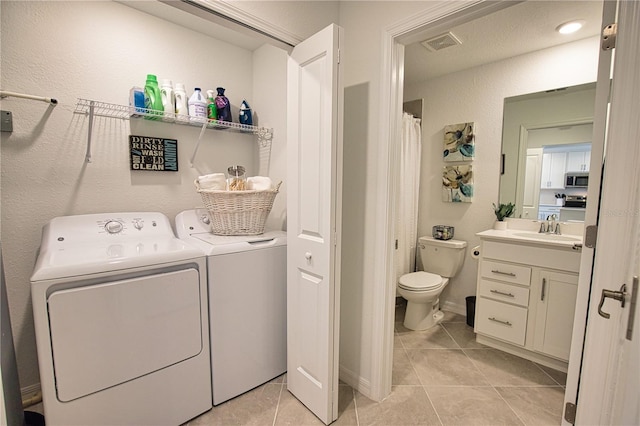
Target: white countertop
526	231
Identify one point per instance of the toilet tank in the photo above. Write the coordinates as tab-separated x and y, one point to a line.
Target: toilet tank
442	257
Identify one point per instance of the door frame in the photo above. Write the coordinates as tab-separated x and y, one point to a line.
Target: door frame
522	149
438	17
603	378
441	17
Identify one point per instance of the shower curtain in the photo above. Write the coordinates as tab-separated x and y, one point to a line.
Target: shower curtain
407	195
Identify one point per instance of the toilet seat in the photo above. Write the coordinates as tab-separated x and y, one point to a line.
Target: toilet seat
420	281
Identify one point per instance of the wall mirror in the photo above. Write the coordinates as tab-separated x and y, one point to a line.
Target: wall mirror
546	139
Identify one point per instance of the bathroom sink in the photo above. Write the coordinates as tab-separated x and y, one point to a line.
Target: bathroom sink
547	237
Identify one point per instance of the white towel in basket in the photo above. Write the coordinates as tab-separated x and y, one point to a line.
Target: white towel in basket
259	183
217	181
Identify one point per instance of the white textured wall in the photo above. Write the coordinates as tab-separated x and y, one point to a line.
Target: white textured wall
269	93
363	22
477	95
98	50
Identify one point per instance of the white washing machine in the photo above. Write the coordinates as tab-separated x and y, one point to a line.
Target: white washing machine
247	304
121	321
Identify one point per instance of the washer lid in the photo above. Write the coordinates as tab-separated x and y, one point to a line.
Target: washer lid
220	244
420	280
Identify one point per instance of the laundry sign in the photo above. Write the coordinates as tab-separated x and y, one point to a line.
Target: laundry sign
153	154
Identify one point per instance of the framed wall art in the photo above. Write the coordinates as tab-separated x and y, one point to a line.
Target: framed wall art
457	184
459	142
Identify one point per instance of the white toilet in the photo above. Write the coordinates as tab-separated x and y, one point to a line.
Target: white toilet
441	260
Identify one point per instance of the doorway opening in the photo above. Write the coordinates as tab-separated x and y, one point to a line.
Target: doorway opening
397	49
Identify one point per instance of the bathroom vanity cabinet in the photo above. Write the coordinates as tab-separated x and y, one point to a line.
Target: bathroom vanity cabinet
526	295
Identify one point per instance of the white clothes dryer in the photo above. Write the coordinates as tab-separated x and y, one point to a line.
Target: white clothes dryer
121	321
247	304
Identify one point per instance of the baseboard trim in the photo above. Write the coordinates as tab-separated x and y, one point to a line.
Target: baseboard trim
355	381
31	394
454	307
547	361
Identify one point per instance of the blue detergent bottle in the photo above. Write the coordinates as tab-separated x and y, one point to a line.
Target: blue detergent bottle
245	114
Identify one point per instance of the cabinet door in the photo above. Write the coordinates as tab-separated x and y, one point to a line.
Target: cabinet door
555	303
553	170
587	161
578	161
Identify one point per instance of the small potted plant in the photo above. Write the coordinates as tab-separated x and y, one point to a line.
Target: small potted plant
502	211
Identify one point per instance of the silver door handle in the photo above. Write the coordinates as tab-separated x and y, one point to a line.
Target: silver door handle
616	295
632	308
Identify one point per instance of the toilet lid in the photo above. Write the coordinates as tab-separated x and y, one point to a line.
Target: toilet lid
419	280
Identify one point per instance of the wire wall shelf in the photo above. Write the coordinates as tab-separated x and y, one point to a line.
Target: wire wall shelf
93	109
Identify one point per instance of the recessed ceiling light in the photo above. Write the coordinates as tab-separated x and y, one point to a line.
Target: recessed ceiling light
570	27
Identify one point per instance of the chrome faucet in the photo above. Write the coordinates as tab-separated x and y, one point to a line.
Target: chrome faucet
552	223
543	228
551	226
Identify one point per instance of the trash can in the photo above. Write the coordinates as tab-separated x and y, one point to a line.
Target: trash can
471	310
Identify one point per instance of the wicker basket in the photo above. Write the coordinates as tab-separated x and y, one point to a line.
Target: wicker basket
238	212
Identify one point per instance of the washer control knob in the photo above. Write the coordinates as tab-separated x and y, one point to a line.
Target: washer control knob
138	224
113	226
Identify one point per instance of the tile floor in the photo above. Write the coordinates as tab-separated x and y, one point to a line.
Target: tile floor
440	377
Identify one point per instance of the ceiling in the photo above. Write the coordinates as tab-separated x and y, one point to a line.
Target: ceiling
514	30
522	28
207	24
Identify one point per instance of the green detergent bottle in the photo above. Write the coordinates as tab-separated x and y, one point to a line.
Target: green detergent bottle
152	98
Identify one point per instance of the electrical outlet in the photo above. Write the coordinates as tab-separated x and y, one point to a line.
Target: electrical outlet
6	121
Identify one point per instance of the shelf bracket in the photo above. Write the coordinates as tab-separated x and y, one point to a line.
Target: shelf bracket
195	148
87	157
264	136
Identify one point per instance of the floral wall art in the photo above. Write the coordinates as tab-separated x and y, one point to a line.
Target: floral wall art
457	184
459	147
459	142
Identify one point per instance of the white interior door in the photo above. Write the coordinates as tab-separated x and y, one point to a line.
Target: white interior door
531	193
609	379
314	177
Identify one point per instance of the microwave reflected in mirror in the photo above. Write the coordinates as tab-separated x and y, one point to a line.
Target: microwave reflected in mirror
576	180
546	145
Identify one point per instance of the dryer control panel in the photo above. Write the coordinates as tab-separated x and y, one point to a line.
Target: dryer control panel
119	225
114	226
96	243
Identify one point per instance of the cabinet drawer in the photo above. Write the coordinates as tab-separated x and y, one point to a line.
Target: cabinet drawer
504	292
506	272
501	321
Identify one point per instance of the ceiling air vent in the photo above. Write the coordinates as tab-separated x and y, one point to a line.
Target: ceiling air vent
441	42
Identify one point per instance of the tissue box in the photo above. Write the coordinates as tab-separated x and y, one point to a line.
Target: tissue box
442	232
